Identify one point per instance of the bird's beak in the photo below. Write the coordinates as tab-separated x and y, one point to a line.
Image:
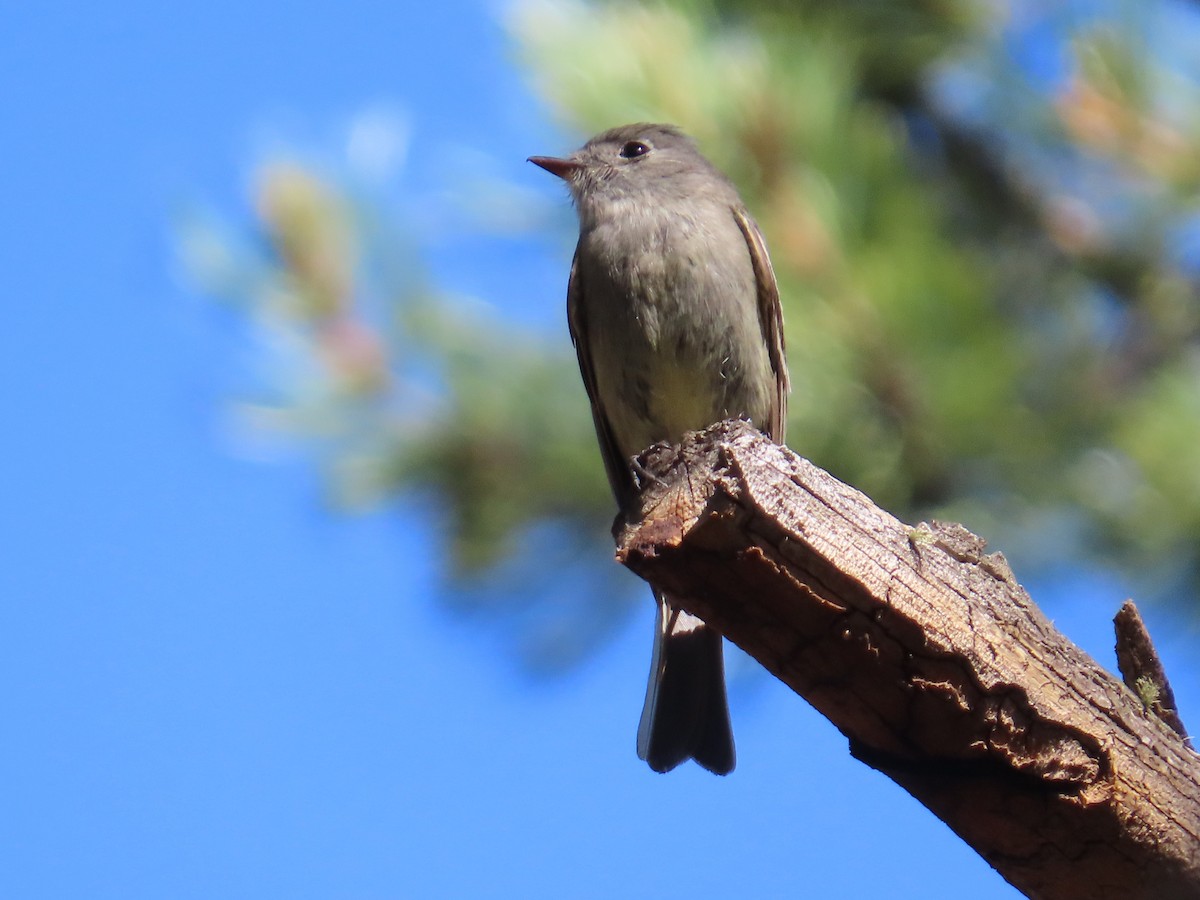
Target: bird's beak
563	168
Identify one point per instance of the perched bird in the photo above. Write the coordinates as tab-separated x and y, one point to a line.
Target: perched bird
674	312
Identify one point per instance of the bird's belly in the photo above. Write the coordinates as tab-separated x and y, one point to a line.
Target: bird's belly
663	395
674	337
680	399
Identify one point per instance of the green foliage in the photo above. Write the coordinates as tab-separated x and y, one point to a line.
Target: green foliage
400	387
513	445
986	314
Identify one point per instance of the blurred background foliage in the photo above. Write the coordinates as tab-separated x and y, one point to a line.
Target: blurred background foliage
984	219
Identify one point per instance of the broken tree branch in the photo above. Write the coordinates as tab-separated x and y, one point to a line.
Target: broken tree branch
1142	670
930	657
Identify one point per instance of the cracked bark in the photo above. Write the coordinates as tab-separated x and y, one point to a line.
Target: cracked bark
932	660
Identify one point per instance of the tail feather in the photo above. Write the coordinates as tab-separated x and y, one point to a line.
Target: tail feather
686	715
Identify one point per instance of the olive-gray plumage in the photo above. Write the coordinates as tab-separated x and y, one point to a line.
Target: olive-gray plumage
675	316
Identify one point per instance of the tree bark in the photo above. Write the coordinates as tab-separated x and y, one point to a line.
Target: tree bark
931	659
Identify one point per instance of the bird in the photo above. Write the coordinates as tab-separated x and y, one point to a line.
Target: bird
673	308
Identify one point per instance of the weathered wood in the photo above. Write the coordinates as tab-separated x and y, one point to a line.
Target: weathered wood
930	657
1142	670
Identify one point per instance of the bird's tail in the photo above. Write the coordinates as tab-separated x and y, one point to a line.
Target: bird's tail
686	714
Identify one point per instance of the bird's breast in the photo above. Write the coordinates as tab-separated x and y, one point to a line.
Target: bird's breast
674	335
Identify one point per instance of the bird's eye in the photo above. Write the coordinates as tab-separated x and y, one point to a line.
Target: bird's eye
634	149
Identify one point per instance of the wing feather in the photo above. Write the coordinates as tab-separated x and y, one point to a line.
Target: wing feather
615	465
770	317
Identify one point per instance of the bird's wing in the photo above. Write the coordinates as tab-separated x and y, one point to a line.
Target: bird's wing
619	476
770	317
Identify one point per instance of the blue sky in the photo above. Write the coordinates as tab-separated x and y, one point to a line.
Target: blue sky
214	688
